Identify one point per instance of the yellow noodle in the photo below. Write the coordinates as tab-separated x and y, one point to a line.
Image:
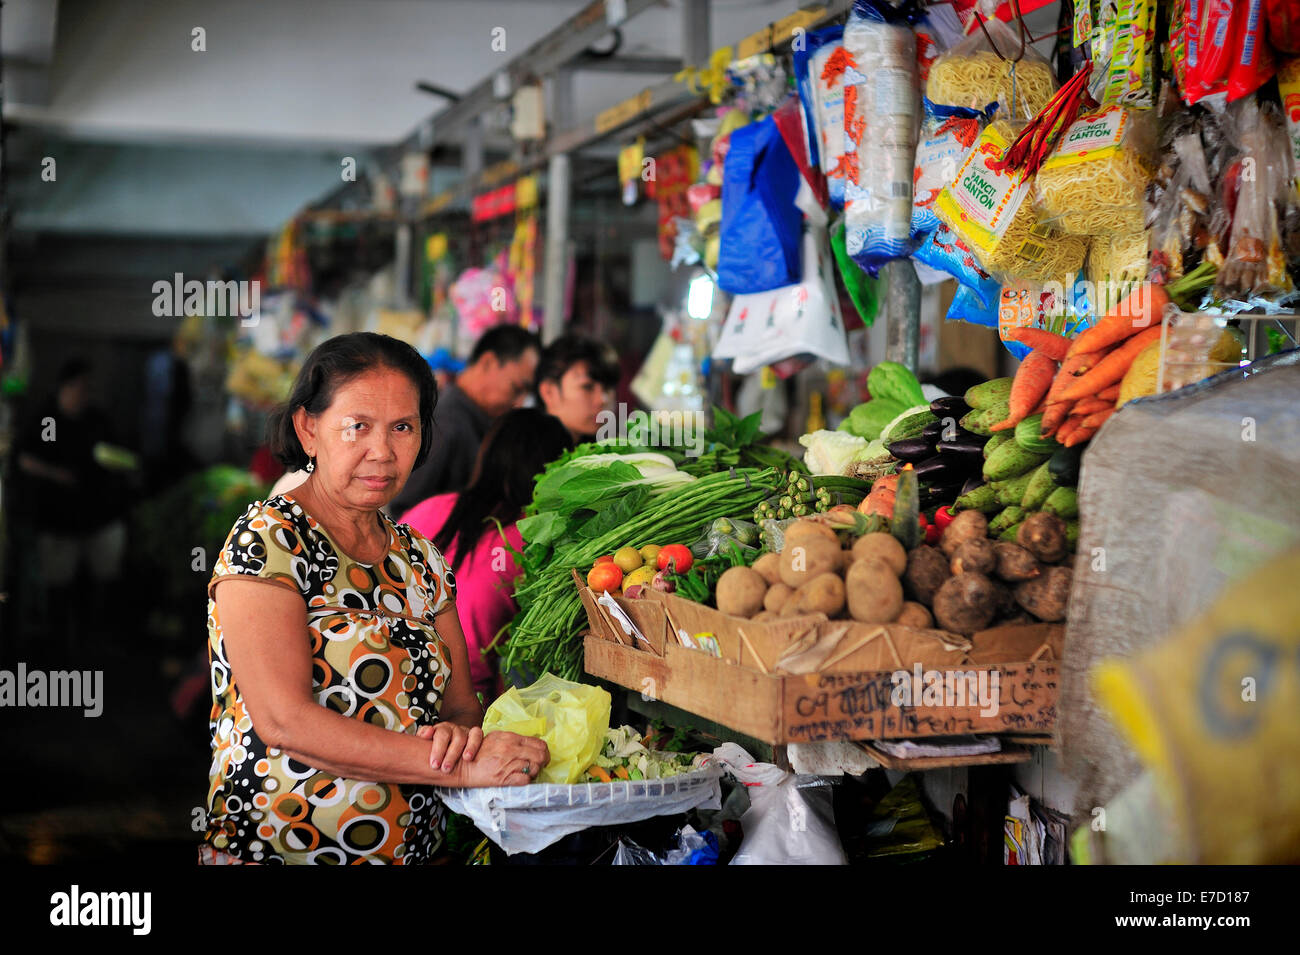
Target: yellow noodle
1115	265
1097	197
977	80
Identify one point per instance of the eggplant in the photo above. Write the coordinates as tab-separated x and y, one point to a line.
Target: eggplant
965	442
940	469
912	449
935	496
972	483
954	406
962	448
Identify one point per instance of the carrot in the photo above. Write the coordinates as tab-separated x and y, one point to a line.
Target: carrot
1088	406
1110	394
599	773
1078	436
1068	428
1143	308
1049	343
1033	379
1096	419
1057	410
1112	368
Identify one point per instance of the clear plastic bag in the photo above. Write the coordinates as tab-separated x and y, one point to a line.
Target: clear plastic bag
790	821
971	74
1094	181
530	818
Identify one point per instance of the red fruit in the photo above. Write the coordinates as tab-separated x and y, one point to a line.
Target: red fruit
675	558
605	576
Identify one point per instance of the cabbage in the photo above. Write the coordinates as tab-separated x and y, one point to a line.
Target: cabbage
830	452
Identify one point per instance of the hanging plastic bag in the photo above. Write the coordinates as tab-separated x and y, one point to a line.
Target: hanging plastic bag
766	327
789	121
760	223
826	76
791	820
880	108
571	718
629	853
860	286
1094	180
806	82
973	75
944	250
947	133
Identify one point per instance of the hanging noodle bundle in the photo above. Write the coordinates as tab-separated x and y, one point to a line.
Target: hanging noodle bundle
982	77
976	206
1094	182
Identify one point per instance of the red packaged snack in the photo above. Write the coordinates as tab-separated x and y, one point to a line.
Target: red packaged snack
1253	65
1216	42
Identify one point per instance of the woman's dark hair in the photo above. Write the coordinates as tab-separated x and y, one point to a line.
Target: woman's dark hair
568	350
330	366
514	451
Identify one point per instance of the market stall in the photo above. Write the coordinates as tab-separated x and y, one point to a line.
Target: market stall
1122	212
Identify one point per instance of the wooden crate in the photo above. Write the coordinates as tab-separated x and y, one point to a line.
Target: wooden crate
852	698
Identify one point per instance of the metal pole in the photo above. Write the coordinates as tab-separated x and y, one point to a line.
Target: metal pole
695	32
902	313
558	176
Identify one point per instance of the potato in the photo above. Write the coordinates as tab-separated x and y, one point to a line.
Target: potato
965	526
801	531
776	597
925	574
915	615
965	603
874	593
1046	596
974	556
769	568
1014	562
763	615
807	559
881	545
1043	535
741	591
823	594
1006	600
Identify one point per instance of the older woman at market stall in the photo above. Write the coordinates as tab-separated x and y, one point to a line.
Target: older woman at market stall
341	680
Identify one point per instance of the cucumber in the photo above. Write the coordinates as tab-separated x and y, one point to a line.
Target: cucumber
981	421
1072	534
1063	502
1011	460
989	394
995	442
983	499
1028	436
1009	517
909	424
1038	489
1010	533
1065	465
1012	491
907	507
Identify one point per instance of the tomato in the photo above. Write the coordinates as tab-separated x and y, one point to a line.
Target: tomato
676	558
606	558
605	576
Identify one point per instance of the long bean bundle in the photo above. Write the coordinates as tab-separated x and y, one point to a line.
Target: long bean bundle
546	634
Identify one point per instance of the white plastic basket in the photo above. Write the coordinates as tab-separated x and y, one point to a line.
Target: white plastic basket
530	818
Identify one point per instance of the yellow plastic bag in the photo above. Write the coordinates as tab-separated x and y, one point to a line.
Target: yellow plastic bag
572	719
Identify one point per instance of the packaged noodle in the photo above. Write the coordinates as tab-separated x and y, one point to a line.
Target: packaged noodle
947	132
1093	181
881	103
971	74
988	209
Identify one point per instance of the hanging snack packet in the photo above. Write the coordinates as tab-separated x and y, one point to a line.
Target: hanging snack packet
1208	62
987	208
826	72
806	80
1288	85
1094	181
1283	18
880	106
947	133
944	250
1123	49
974	74
1253	65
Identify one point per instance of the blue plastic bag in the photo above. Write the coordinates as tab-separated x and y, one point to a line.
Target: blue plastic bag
761	225
944	250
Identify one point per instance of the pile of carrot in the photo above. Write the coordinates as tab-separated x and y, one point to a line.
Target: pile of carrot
1075	382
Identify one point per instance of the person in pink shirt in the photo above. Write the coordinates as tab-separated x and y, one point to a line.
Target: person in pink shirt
463	526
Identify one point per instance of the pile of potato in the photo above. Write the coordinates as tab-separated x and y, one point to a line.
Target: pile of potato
968	583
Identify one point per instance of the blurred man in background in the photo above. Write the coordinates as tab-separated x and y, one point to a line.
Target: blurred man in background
576	378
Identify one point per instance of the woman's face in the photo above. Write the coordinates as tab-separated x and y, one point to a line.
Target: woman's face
366	441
